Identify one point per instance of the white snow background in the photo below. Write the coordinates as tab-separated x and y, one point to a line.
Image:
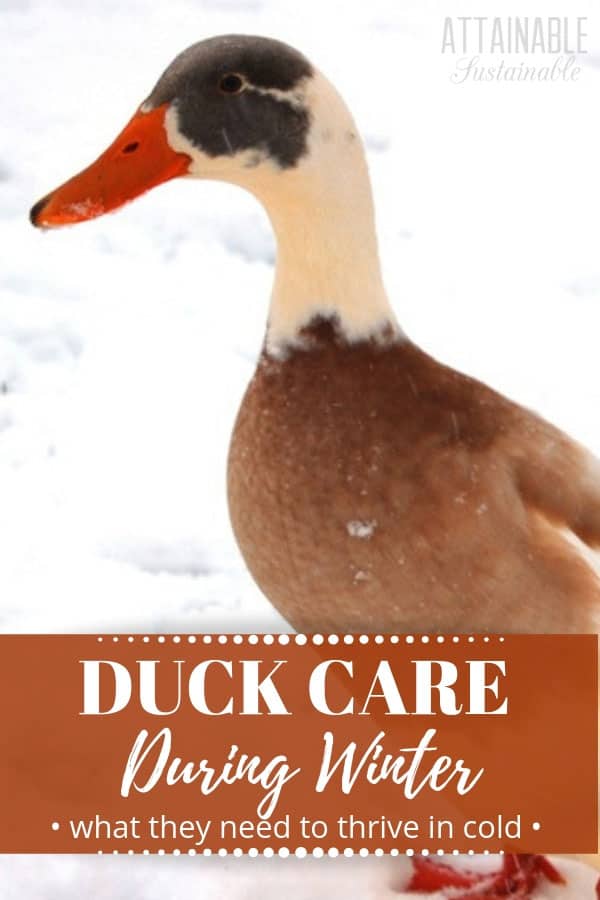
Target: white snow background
126	343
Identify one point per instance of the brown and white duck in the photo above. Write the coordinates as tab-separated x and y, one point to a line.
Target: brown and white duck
370	487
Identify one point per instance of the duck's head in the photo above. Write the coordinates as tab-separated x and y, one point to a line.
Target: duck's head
254	112
234	108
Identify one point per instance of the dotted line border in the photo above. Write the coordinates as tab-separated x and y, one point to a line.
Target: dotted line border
301	640
300	852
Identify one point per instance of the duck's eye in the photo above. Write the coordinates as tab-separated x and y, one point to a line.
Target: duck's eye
232	84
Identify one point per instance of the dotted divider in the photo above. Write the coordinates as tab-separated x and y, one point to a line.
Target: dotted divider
301	852
301	640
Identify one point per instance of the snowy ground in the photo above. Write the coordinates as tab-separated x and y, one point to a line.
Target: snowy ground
125	344
154	878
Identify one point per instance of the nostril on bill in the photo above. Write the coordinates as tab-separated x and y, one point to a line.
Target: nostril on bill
132	147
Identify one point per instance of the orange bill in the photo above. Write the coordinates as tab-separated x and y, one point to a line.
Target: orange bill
139	159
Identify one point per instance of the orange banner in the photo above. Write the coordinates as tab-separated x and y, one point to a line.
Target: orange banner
198	744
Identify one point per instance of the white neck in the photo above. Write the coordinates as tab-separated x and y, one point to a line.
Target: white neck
321	210
323	218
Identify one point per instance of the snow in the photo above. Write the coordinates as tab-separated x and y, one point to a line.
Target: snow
157	878
126	343
363	529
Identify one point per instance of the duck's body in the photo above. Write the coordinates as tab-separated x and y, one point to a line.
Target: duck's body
373	489
370	487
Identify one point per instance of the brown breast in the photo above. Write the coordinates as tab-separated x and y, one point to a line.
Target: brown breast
371	488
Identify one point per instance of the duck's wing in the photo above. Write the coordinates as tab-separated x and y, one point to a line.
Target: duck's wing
557	477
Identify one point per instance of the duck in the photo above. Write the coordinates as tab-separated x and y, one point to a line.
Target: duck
371	488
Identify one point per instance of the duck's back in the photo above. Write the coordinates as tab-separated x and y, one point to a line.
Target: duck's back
373	489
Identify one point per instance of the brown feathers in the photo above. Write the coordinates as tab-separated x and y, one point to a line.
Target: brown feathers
372	488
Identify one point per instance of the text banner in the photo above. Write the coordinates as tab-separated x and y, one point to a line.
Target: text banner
198	744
